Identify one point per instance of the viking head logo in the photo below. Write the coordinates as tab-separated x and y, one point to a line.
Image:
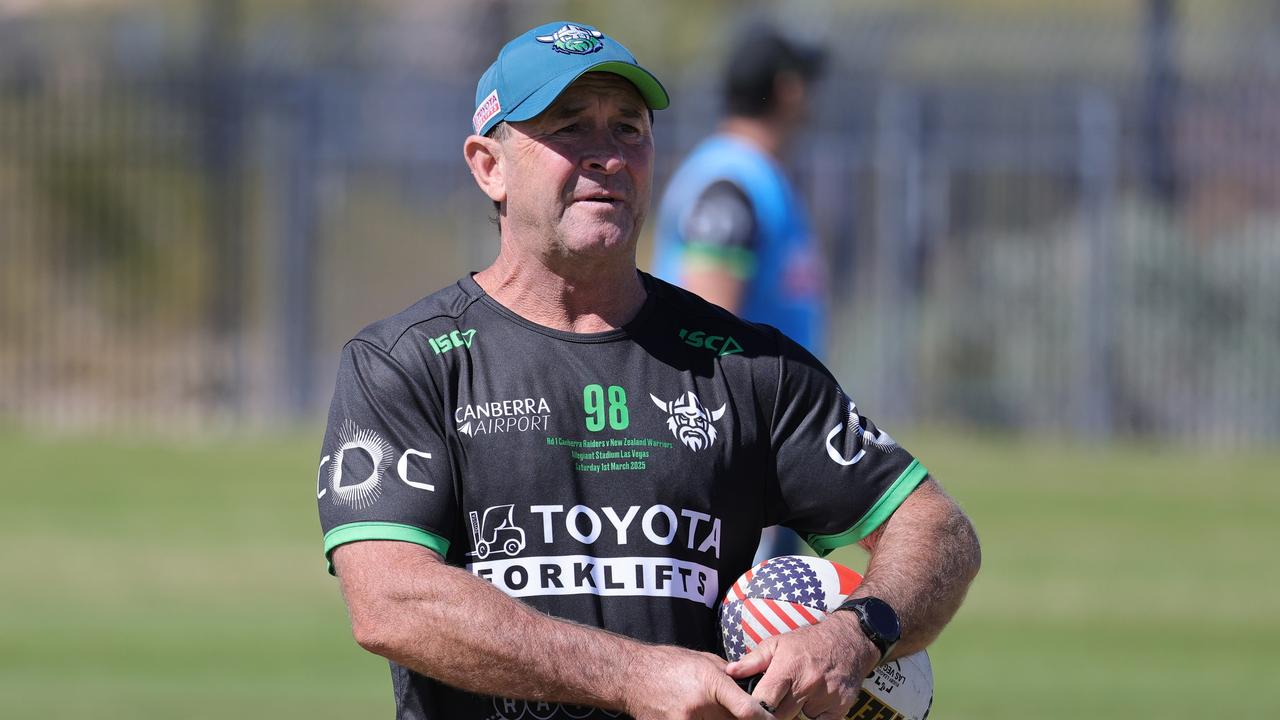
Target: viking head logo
574	40
689	420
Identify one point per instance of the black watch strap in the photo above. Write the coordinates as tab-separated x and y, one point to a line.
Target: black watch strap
878	620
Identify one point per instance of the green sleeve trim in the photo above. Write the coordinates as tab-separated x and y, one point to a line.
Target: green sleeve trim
352	532
738	261
875	517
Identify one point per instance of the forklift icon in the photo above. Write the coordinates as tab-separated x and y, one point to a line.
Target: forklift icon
498	533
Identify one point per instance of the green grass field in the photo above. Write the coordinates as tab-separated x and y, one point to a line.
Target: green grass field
185	581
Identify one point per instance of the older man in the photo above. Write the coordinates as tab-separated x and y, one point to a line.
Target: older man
537	483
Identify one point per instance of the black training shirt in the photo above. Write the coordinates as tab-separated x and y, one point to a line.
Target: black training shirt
620	479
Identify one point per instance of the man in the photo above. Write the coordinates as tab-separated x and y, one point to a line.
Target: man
731	227
535	487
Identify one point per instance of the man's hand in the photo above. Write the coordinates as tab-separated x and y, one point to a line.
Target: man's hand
671	683
816	670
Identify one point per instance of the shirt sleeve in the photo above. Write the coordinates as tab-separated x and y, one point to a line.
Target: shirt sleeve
384	471
720	230
839	476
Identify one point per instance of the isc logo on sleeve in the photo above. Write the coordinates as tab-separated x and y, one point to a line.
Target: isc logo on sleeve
449	341
719	344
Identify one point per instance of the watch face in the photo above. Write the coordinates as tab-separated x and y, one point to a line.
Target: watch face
883	619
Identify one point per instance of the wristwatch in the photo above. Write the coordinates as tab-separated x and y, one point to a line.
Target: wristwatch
878	620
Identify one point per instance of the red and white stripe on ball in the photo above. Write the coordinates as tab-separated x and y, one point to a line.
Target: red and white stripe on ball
795	591
780	595
764	617
738	591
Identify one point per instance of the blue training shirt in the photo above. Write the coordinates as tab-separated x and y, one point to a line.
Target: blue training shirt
764	236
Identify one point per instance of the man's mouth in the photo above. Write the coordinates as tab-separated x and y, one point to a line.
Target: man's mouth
603	199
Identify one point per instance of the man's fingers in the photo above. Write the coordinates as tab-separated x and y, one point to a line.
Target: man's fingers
739	704
789	707
775	692
753	663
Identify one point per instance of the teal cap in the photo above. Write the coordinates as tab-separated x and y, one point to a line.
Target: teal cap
533	69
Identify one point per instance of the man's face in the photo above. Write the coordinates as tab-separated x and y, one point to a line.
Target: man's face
578	176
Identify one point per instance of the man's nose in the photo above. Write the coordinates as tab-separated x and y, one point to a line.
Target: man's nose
603	154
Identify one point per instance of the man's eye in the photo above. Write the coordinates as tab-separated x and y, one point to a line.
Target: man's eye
568	129
628	129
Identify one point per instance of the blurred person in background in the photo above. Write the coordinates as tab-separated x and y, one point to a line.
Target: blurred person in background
731	227
534	489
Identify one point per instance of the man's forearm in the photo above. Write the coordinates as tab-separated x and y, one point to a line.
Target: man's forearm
922	562
490	644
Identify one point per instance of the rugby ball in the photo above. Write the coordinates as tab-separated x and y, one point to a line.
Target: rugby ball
790	592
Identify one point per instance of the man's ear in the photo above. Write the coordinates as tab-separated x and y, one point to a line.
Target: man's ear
484	157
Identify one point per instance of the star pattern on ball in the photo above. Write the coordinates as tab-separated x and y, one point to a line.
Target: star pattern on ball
788	578
735	640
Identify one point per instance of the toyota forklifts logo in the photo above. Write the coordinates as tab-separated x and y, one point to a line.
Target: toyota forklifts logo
496	532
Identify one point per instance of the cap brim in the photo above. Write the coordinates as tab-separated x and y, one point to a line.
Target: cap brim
651	91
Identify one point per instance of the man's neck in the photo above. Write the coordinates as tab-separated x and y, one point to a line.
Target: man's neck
596	296
764	134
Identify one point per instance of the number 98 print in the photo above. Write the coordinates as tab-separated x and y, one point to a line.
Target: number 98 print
593	403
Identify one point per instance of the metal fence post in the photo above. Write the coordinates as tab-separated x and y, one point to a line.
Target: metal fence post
899	176
220	109
1098	142
298	264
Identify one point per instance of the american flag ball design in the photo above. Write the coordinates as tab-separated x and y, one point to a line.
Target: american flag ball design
790	592
780	595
